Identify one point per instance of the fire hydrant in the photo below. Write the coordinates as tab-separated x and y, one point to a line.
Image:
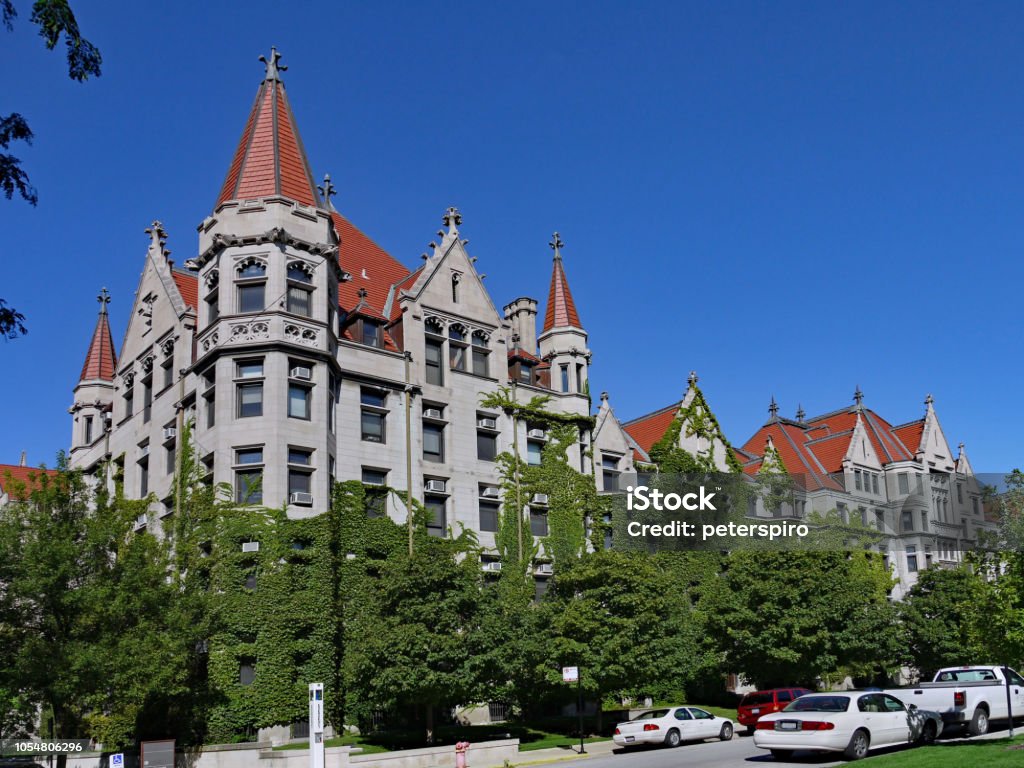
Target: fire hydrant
460	754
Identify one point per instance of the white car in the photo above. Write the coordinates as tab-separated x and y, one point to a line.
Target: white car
671	726
851	722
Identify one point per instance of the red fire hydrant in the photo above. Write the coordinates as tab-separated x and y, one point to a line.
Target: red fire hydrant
460	754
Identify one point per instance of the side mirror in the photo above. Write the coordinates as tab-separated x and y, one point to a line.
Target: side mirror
913	707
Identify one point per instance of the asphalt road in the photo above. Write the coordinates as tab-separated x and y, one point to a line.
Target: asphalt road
740	752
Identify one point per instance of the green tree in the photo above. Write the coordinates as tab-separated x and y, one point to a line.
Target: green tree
607	616
55	21
939	618
784	618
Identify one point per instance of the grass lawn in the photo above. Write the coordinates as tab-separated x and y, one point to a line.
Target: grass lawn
991	754
349	739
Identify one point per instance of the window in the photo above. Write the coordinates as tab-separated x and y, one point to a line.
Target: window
247	672
911	559
299	398
924	520
489	515
433	442
250	581
903	482
208	466
533	452
580	383
564	369
374	416
540	588
129	400
907	521
959	493
375	497
299	481
785	696
144	476
249	476
170	454
610	472
88	430
300	292
457	348
874	484
538	522
432	360
252	285
974	504
481	355
212	307
250	400
147	399
168	369
857	480
371	335
525	373
486	445
606	519
332	399
436	519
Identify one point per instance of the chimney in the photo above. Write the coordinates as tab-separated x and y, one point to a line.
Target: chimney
522	313
21	463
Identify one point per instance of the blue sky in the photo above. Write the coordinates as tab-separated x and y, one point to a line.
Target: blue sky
790	198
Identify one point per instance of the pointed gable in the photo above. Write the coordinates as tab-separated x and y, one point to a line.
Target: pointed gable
100	360
561	309
270	159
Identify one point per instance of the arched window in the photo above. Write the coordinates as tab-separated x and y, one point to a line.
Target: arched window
481	354
457	347
300	291
251	286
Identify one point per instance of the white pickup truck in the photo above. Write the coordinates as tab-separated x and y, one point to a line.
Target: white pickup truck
970	696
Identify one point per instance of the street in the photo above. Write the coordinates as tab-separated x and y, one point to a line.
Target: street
737	753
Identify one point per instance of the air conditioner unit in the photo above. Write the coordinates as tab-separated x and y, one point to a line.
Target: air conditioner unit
538	434
170	433
544	569
490	493
432	413
301	372
141	520
250	546
539	498
493	566
301	497
435	485
487	423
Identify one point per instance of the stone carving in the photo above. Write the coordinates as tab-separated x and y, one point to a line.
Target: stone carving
297	334
251	331
210	341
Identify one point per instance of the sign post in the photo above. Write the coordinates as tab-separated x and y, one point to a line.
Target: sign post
316	725
1009	702
570	675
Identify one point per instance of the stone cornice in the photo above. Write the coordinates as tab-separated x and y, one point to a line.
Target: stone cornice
275	236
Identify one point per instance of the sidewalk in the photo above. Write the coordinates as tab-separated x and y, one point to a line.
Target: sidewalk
556	754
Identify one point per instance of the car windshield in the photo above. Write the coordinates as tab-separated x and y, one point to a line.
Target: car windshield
966	675
760	697
819	704
654	714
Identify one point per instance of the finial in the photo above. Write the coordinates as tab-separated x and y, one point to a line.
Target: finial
692	380
515	341
24	458
858	396
556	244
361	293
604	397
452	219
157	236
103	299
327	190
929	400
773	409
800	415
273	68
961	447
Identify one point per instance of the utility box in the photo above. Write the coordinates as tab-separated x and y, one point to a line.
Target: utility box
158	754
316	725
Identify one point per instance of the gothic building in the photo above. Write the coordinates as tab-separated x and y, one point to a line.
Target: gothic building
304	353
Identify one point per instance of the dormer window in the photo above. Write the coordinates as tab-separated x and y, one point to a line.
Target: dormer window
525	373
252	284
371	333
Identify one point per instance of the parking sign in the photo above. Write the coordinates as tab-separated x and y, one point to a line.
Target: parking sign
117	760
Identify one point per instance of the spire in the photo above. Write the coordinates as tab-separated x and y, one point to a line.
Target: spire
800	414
692	379
270	159
773	410
561	311
858	398
100	360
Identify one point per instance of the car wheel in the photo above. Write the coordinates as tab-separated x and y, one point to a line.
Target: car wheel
858	746
979	723
726	733
672	738
928	734
782	754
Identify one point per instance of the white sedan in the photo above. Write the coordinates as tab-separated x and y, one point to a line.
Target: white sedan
672	726
851	722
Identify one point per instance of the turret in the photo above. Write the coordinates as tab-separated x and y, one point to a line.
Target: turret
94	392
563	341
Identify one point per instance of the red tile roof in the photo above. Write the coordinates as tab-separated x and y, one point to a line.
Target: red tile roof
370	266
188	287
561	309
270	159
910	434
100	360
12	475
648	430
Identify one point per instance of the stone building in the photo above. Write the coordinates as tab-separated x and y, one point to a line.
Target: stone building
304	353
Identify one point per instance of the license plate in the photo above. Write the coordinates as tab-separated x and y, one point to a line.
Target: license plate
630	738
788	725
755	711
